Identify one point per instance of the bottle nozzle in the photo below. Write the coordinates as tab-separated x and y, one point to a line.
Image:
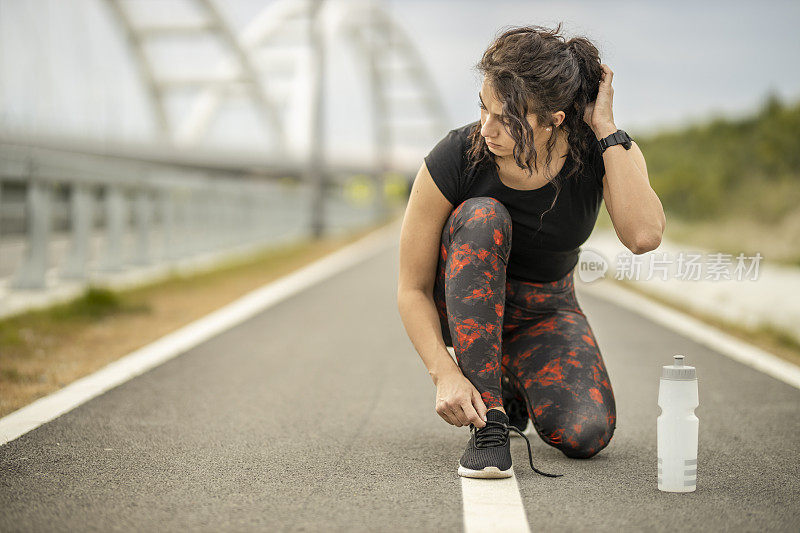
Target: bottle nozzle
678	371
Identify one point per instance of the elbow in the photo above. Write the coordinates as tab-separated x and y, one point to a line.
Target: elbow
400	299
407	294
646	242
647	236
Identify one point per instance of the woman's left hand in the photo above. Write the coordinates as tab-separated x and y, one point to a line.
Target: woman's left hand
598	114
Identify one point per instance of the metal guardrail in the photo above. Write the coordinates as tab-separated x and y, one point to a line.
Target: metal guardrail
131	202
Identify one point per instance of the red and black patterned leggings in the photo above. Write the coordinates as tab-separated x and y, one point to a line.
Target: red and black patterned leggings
534	334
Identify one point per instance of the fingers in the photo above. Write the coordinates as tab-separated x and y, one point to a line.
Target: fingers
462	408
608	74
444	411
461	416
455	416
452	415
479	407
464	414
471	415
587	114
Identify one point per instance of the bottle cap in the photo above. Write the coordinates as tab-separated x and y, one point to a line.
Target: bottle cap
678	371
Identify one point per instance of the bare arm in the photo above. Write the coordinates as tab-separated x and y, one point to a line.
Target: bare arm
634	207
458	402
425	216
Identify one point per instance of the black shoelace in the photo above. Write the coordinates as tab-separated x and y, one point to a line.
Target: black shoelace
492	434
529	415
496	434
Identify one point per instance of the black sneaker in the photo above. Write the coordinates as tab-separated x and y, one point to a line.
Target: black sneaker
488	452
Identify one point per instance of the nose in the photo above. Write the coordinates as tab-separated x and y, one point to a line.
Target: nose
489	128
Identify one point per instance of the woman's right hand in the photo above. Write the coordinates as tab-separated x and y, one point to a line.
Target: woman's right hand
458	401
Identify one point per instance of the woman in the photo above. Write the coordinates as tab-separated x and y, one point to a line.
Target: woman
490	240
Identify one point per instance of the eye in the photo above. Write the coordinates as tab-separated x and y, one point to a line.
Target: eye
480	104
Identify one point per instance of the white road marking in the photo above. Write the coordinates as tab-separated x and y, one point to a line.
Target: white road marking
696	330
493	505
53	405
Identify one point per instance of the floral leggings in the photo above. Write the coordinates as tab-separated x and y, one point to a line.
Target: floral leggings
531	338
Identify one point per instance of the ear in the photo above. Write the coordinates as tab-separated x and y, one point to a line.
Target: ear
558	117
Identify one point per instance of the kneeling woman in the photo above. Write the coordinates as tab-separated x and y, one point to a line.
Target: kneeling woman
490	241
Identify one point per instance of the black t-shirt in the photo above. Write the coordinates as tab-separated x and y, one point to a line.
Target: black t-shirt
552	252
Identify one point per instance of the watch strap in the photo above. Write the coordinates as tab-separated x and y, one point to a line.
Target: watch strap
618	137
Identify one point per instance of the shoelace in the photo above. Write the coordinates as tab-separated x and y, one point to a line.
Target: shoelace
496	434
520	433
530	454
492	434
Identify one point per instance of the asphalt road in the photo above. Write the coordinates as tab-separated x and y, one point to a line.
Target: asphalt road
317	415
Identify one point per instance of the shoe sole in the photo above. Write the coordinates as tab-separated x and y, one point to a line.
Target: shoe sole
528	431
490	472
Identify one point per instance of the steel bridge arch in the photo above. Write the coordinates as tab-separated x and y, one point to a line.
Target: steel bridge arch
368	28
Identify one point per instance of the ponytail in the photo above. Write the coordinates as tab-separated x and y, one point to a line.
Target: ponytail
588	59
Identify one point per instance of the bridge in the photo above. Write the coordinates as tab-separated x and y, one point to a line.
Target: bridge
174	183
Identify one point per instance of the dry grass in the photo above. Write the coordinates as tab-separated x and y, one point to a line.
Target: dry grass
771	340
777	243
42	351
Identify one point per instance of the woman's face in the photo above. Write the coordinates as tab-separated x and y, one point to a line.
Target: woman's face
493	127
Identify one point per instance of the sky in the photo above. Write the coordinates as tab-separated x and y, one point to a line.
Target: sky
65	69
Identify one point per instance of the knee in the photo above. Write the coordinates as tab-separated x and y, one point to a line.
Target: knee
580	439
490	209
486	216
593	437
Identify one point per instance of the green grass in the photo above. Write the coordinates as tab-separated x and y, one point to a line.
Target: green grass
94	304
747	167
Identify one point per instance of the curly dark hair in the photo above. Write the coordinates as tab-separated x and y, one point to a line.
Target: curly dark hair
534	69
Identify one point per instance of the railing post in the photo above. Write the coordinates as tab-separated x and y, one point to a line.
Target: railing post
169	242
81	217
249	209
184	207
115	229
210	229
196	221
228	225
1	209
32	271
143	225
315	172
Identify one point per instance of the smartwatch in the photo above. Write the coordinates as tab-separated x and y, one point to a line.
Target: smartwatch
618	137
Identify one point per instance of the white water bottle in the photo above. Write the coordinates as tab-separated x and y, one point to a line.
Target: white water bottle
677	428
